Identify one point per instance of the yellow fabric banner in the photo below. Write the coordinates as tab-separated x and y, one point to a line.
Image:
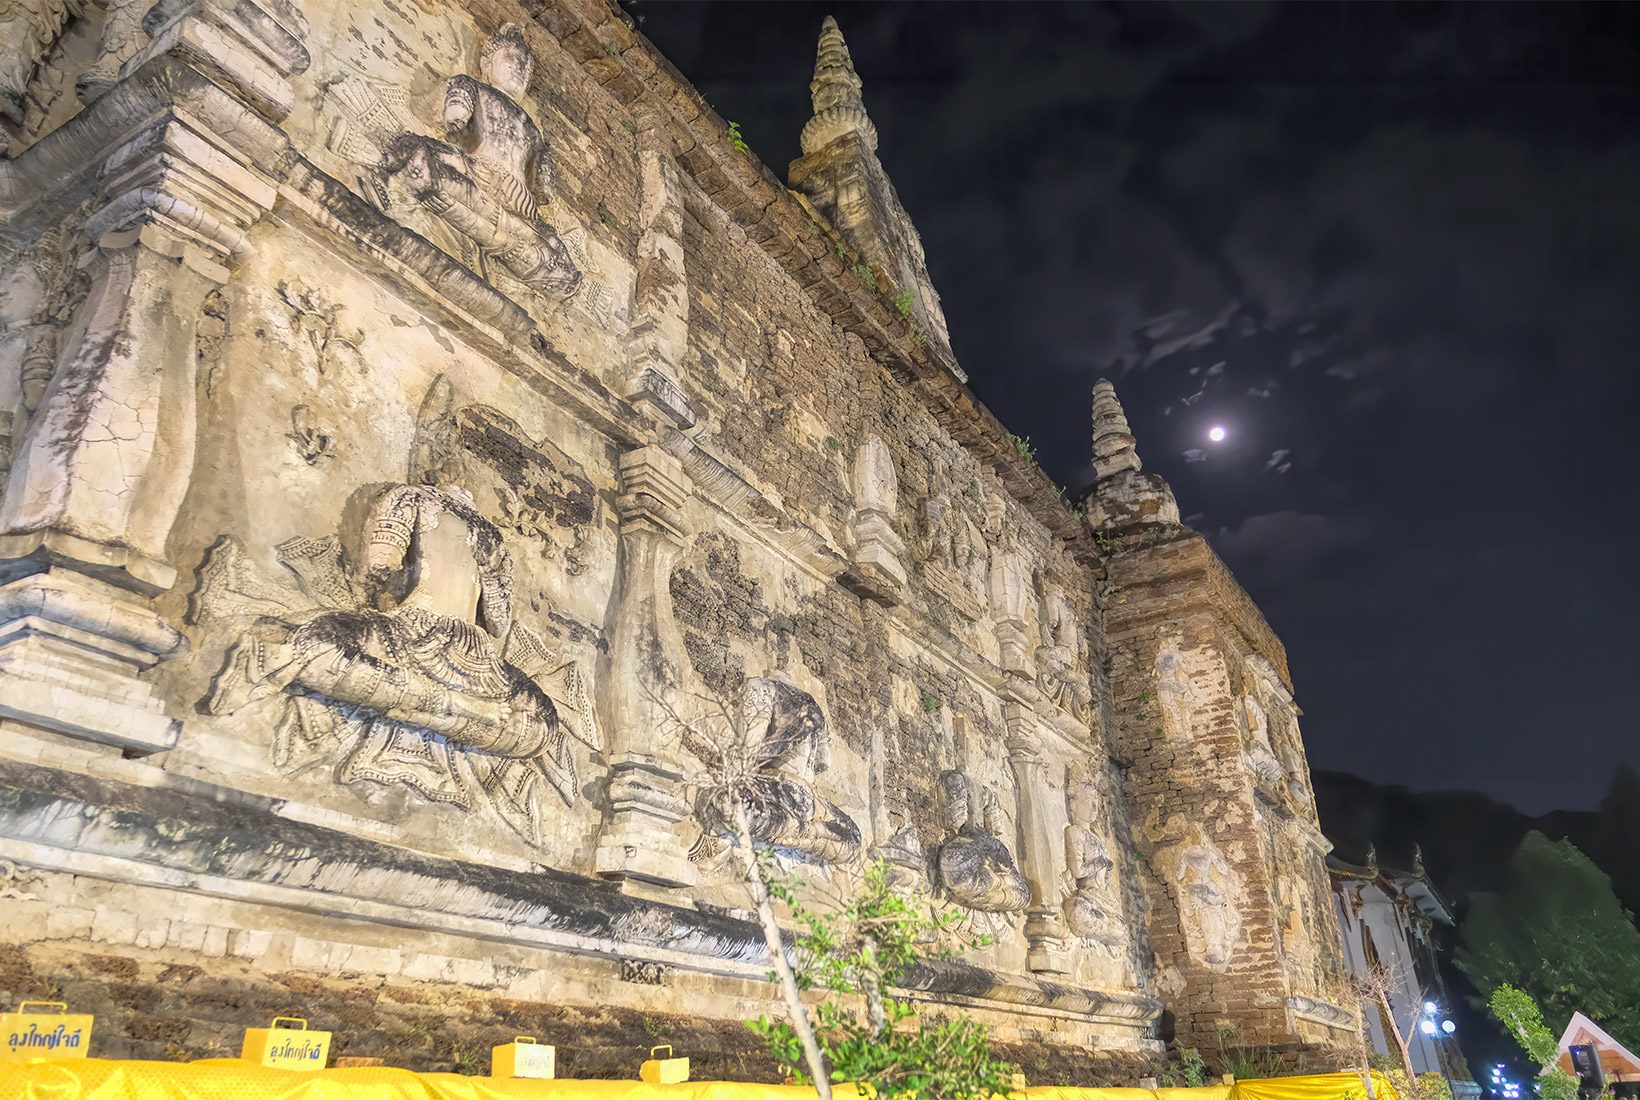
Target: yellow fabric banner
231	1079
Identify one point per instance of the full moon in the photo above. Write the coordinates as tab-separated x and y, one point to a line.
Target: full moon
1216	434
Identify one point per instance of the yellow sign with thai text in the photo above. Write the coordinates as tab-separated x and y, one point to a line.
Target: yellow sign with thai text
288	1047
43	1029
524	1057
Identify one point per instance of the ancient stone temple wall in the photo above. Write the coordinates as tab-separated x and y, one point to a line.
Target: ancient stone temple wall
433	450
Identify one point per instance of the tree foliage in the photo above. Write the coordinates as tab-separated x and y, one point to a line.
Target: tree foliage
860	948
1557	933
1519	1015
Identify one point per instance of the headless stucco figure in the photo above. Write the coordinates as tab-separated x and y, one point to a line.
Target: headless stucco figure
1211	923
975	867
432	685
789	737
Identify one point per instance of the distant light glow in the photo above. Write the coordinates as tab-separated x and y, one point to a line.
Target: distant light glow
1448	1026
1427	1027
1429	1006
1216	434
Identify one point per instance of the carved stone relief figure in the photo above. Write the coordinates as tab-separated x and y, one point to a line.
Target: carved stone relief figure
975	868
1260	757
1062	659
122	37
1175	694
35	303
787	741
954	560
477	192
908	866
29	32
442	691
1210	896
1092	908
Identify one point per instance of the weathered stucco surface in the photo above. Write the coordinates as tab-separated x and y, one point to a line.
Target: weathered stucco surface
427	438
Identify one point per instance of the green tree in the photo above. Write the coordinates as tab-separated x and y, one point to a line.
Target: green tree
859	949
1557	932
1519	1015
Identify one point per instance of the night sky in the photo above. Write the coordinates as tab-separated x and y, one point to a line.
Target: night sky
1394	249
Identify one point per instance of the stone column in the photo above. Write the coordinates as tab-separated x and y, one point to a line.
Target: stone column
1040	824
646	670
1009	591
102	469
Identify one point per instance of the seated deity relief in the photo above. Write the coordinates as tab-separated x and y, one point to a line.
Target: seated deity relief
477	191
1093	911
1062	659
409	669
779	740
975	868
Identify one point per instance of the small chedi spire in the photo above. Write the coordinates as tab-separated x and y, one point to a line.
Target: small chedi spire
1123	495
835	88
1113	442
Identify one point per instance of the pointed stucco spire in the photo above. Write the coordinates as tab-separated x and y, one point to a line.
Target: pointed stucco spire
1122	496
1113	442
835	88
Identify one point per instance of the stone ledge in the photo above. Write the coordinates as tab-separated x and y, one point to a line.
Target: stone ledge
116	832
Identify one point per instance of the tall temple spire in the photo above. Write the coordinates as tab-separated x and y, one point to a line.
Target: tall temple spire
841	175
1122	496
835	89
1113	442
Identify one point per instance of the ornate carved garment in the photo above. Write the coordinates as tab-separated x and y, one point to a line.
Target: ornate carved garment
436	699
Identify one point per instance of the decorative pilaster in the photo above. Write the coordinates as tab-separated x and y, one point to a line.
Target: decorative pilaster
660	303
1041	844
1010	598
100	473
879	553
646	671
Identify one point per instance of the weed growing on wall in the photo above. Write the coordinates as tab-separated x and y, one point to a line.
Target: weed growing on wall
1193	1067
